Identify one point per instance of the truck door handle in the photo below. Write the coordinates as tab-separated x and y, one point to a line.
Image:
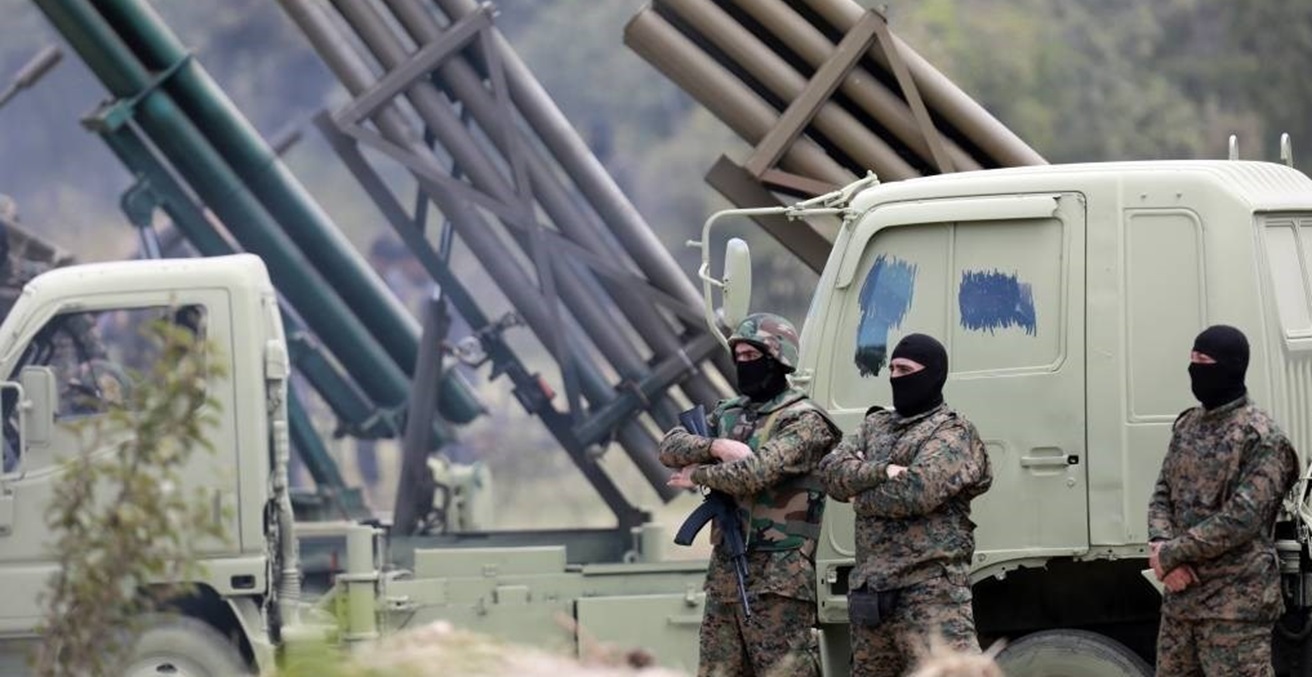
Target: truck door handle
1048	461
6	513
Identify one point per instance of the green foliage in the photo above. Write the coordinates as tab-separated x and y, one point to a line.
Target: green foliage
1091	80
119	516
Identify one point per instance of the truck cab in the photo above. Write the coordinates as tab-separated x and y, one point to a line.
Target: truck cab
1068	298
67	349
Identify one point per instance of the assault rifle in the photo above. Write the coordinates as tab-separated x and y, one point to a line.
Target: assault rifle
720	507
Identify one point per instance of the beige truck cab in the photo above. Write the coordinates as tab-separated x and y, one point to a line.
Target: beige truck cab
74	331
1068	298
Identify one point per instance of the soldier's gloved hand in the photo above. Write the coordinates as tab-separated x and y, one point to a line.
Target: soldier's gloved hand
729	451
894	470
1180	578
683	478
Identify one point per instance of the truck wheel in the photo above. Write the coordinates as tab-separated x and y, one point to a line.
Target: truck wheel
181	646
1071	653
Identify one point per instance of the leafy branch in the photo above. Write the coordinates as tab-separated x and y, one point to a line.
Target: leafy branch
125	531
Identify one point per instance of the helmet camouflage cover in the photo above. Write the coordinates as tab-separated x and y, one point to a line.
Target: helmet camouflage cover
770	333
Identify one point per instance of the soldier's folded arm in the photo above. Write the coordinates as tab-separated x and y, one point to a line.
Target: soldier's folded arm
1250	509
788	452
845	472
681	448
945	465
1159	511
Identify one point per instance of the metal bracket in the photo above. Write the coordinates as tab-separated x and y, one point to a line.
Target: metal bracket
817	91
751	183
115	114
742	188
453	39
395	82
870	29
139	203
912	94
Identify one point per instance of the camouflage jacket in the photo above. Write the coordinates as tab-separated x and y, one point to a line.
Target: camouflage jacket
86	379
779	498
1214	508
915	526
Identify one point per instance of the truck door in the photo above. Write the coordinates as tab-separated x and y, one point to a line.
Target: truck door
97	353
1140	338
999	281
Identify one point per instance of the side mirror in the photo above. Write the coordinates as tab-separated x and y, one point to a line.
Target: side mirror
737	289
38	409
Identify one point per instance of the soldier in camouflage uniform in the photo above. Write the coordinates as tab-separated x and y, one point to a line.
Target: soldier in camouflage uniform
82	370
86	382
763	451
1211	517
910	474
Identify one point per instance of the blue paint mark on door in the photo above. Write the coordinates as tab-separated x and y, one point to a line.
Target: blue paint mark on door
992	300
885	298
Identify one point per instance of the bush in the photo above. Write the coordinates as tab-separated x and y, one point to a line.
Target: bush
120	520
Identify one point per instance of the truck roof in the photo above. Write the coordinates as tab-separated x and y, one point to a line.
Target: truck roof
1263	186
230	272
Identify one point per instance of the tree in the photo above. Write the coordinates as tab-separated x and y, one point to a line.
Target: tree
120	522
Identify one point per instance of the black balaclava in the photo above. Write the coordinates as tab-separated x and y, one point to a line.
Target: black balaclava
761	379
1217	384
919	392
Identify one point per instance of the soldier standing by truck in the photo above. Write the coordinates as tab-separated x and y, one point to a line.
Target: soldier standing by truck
910	474
1211	517
763	451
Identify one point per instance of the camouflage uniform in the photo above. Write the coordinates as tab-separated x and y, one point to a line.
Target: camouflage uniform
87	383
781	504
84	376
23	255
913	532
1216	500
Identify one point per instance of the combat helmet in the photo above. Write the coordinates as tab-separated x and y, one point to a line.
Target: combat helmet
771	334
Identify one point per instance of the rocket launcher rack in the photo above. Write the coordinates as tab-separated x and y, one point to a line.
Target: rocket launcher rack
824	93
437	90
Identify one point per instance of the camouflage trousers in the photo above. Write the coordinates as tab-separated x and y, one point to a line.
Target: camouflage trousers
892	648
777	639
1187	648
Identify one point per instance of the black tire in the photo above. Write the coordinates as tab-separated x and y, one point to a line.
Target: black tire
181	646
1071	653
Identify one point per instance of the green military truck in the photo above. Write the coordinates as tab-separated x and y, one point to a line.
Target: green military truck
1068	298
48	327
1066	295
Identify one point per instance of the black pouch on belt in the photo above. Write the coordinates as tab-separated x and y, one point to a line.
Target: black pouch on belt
869	608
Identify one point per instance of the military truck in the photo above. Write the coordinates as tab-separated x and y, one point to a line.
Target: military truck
248	600
1068	298
42	349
